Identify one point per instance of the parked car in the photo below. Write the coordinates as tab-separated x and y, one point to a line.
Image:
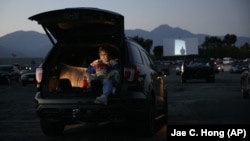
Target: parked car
25	68
197	67
28	77
218	66
141	92
19	66
8	73
227	60
239	67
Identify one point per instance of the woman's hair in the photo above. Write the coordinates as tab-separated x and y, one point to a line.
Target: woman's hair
103	48
108	50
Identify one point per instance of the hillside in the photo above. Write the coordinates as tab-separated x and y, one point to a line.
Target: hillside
24	44
164	31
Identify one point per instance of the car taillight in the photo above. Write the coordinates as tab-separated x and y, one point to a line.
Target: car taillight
182	68
39	74
131	73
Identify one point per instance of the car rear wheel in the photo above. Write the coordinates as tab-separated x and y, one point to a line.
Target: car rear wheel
7	81
148	121
165	108
245	94
17	80
51	128
183	80
24	84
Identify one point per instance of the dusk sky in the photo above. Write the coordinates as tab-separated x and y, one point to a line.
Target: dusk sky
213	17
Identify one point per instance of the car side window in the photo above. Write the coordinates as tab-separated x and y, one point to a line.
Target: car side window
135	53
146	59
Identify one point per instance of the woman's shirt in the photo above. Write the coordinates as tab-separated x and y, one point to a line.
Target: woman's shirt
101	69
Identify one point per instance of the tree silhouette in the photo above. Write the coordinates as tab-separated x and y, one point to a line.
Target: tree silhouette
145	43
216	47
230	39
158	51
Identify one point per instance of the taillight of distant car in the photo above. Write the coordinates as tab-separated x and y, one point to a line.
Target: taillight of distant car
131	73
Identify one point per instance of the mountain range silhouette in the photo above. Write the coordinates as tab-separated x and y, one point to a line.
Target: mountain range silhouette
23	44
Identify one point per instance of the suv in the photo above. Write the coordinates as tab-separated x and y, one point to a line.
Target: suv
197	67
61	98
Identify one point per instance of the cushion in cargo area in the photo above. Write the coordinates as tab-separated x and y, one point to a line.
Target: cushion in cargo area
74	74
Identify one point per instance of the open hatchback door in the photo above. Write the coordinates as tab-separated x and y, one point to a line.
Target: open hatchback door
81	25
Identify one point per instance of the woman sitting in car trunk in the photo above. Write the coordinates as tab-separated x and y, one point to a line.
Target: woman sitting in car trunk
105	70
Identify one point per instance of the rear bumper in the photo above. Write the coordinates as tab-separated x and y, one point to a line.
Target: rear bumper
86	110
197	74
27	81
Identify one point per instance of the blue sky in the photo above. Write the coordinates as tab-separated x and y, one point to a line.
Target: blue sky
213	17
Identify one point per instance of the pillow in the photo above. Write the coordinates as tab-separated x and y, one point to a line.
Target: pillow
75	75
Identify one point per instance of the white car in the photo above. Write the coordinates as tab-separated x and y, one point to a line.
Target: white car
227	60
239	67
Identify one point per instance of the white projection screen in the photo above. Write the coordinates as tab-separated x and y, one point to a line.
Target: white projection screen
180	46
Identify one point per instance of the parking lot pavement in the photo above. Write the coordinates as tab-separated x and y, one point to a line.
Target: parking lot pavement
199	102
18	121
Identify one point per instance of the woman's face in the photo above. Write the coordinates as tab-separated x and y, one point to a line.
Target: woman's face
103	56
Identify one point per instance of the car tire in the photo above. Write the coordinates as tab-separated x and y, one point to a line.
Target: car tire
245	94
148	122
51	128
7	81
17	80
165	108
183	80
24	84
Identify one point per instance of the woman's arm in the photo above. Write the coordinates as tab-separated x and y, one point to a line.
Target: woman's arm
91	70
